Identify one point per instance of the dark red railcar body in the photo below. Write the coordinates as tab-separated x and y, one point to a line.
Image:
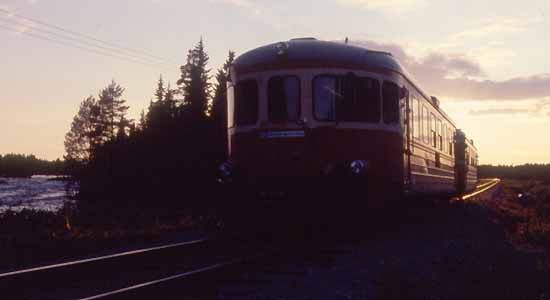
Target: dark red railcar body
413	154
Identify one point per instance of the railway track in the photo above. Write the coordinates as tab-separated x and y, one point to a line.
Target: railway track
137	274
481	188
119	275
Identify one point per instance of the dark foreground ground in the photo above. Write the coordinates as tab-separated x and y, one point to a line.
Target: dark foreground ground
471	250
494	246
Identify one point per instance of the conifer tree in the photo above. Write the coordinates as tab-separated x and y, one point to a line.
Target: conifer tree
142	121
123	129
159	93
113	110
83	136
163	109
194	82
170	101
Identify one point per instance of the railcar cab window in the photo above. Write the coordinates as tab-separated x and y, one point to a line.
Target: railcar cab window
246	102
346	98
283	98
390	94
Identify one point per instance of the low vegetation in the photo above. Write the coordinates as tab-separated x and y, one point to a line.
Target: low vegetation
524	209
29	238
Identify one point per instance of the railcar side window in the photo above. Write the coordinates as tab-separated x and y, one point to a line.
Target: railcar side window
425	134
433	136
246	102
453	134
450	141
390	94
439	134
283	96
412	107
344	98
417	126
444	140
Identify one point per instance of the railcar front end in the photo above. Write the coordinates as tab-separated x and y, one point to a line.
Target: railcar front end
312	125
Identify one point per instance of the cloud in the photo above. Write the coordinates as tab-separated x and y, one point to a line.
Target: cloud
388	6
498	111
456	75
495	25
239	3
6	10
244	4
484	38
533	108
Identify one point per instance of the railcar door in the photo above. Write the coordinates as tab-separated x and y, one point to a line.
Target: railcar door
407	138
282	136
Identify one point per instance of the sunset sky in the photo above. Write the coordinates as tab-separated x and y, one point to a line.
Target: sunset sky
487	61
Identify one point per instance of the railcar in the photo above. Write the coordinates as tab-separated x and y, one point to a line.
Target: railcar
311	113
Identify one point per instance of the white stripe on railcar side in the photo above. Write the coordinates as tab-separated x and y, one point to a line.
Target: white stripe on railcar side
432	175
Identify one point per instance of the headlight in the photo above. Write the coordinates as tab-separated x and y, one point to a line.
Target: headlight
225	171
357	167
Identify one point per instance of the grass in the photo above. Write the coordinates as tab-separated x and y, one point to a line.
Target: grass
523	207
503	252
29	238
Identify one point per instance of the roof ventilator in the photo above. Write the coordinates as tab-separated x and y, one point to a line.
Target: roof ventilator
435	101
282	48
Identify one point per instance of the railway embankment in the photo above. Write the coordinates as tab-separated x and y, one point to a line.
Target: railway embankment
32	238
492	246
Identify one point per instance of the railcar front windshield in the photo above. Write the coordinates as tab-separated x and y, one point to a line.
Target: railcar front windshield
283	99
346	98
390	93
246	103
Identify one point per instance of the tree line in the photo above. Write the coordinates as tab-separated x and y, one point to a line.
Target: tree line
20	165
520	172
164	162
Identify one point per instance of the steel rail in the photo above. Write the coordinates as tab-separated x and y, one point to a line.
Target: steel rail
170	278
101	258
482	188
162	280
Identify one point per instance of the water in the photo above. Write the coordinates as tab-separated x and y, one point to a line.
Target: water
38	192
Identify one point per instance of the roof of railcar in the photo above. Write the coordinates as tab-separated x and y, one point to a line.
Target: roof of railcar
310	51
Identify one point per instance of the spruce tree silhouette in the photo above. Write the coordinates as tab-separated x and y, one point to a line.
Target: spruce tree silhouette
166	165
194	83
